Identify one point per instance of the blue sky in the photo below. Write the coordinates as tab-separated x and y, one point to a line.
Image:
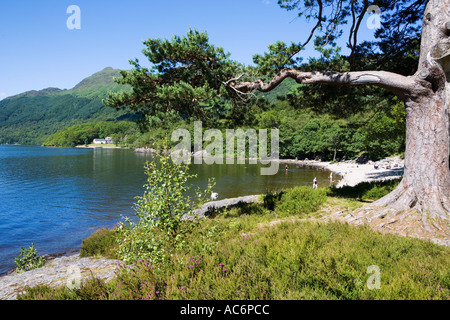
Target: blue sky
37	50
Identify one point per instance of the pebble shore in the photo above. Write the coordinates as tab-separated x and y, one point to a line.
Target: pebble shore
350	173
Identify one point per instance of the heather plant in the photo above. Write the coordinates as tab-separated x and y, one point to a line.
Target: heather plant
162	226
264	256
290	260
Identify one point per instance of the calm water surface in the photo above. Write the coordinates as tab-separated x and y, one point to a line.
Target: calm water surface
56	197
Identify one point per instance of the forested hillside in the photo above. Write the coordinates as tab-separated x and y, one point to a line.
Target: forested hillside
31	117
310	126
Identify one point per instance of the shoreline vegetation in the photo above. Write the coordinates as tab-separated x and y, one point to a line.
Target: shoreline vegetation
346	173
100	146
244	250
254	250
334	241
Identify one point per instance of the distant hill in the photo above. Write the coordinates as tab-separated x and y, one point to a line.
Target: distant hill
97	85
32	116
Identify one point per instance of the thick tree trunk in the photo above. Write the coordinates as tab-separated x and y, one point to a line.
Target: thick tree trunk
420	205
425	187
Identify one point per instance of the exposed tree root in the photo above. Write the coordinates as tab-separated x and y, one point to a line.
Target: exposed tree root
403	212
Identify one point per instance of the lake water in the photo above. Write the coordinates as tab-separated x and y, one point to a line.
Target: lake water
56	197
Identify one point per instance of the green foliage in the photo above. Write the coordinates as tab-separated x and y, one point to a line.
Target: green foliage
271	199
31	117
243	208
253	254
79	134
396	43
98	85
186	78
279	57
244	256
301	200
188	85
161	229
341	102
28	259
385	133
290	260
101	243
304	133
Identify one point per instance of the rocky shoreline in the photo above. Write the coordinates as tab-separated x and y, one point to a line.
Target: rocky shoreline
211	208
62	270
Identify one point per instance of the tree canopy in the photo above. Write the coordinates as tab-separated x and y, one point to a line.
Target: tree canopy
185	79
409	59
397	38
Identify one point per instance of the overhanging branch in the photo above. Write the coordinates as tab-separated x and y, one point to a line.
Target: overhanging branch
398	84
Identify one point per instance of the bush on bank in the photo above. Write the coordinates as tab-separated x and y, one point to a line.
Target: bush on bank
249	252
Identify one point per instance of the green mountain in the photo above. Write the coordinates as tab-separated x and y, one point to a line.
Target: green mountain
32	116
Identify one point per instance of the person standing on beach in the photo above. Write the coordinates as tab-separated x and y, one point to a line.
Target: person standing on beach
331	177
315	183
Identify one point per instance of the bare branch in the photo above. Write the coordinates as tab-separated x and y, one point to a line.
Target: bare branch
332	26
354	30
318	24
350	37
398	84
233	80
244	96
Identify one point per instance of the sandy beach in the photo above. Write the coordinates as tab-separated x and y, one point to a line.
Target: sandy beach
347	173
350	173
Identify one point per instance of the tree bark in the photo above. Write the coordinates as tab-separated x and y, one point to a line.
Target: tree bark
420	205
400	85
426	182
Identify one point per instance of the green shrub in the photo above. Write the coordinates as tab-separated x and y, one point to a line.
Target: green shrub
271	199
301	200
161	229
243	208
103	243
28	259
378	191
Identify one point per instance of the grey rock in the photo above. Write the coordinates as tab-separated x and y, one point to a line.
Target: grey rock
211	208
57	272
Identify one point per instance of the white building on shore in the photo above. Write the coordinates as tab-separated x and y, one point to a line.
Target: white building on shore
107	140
